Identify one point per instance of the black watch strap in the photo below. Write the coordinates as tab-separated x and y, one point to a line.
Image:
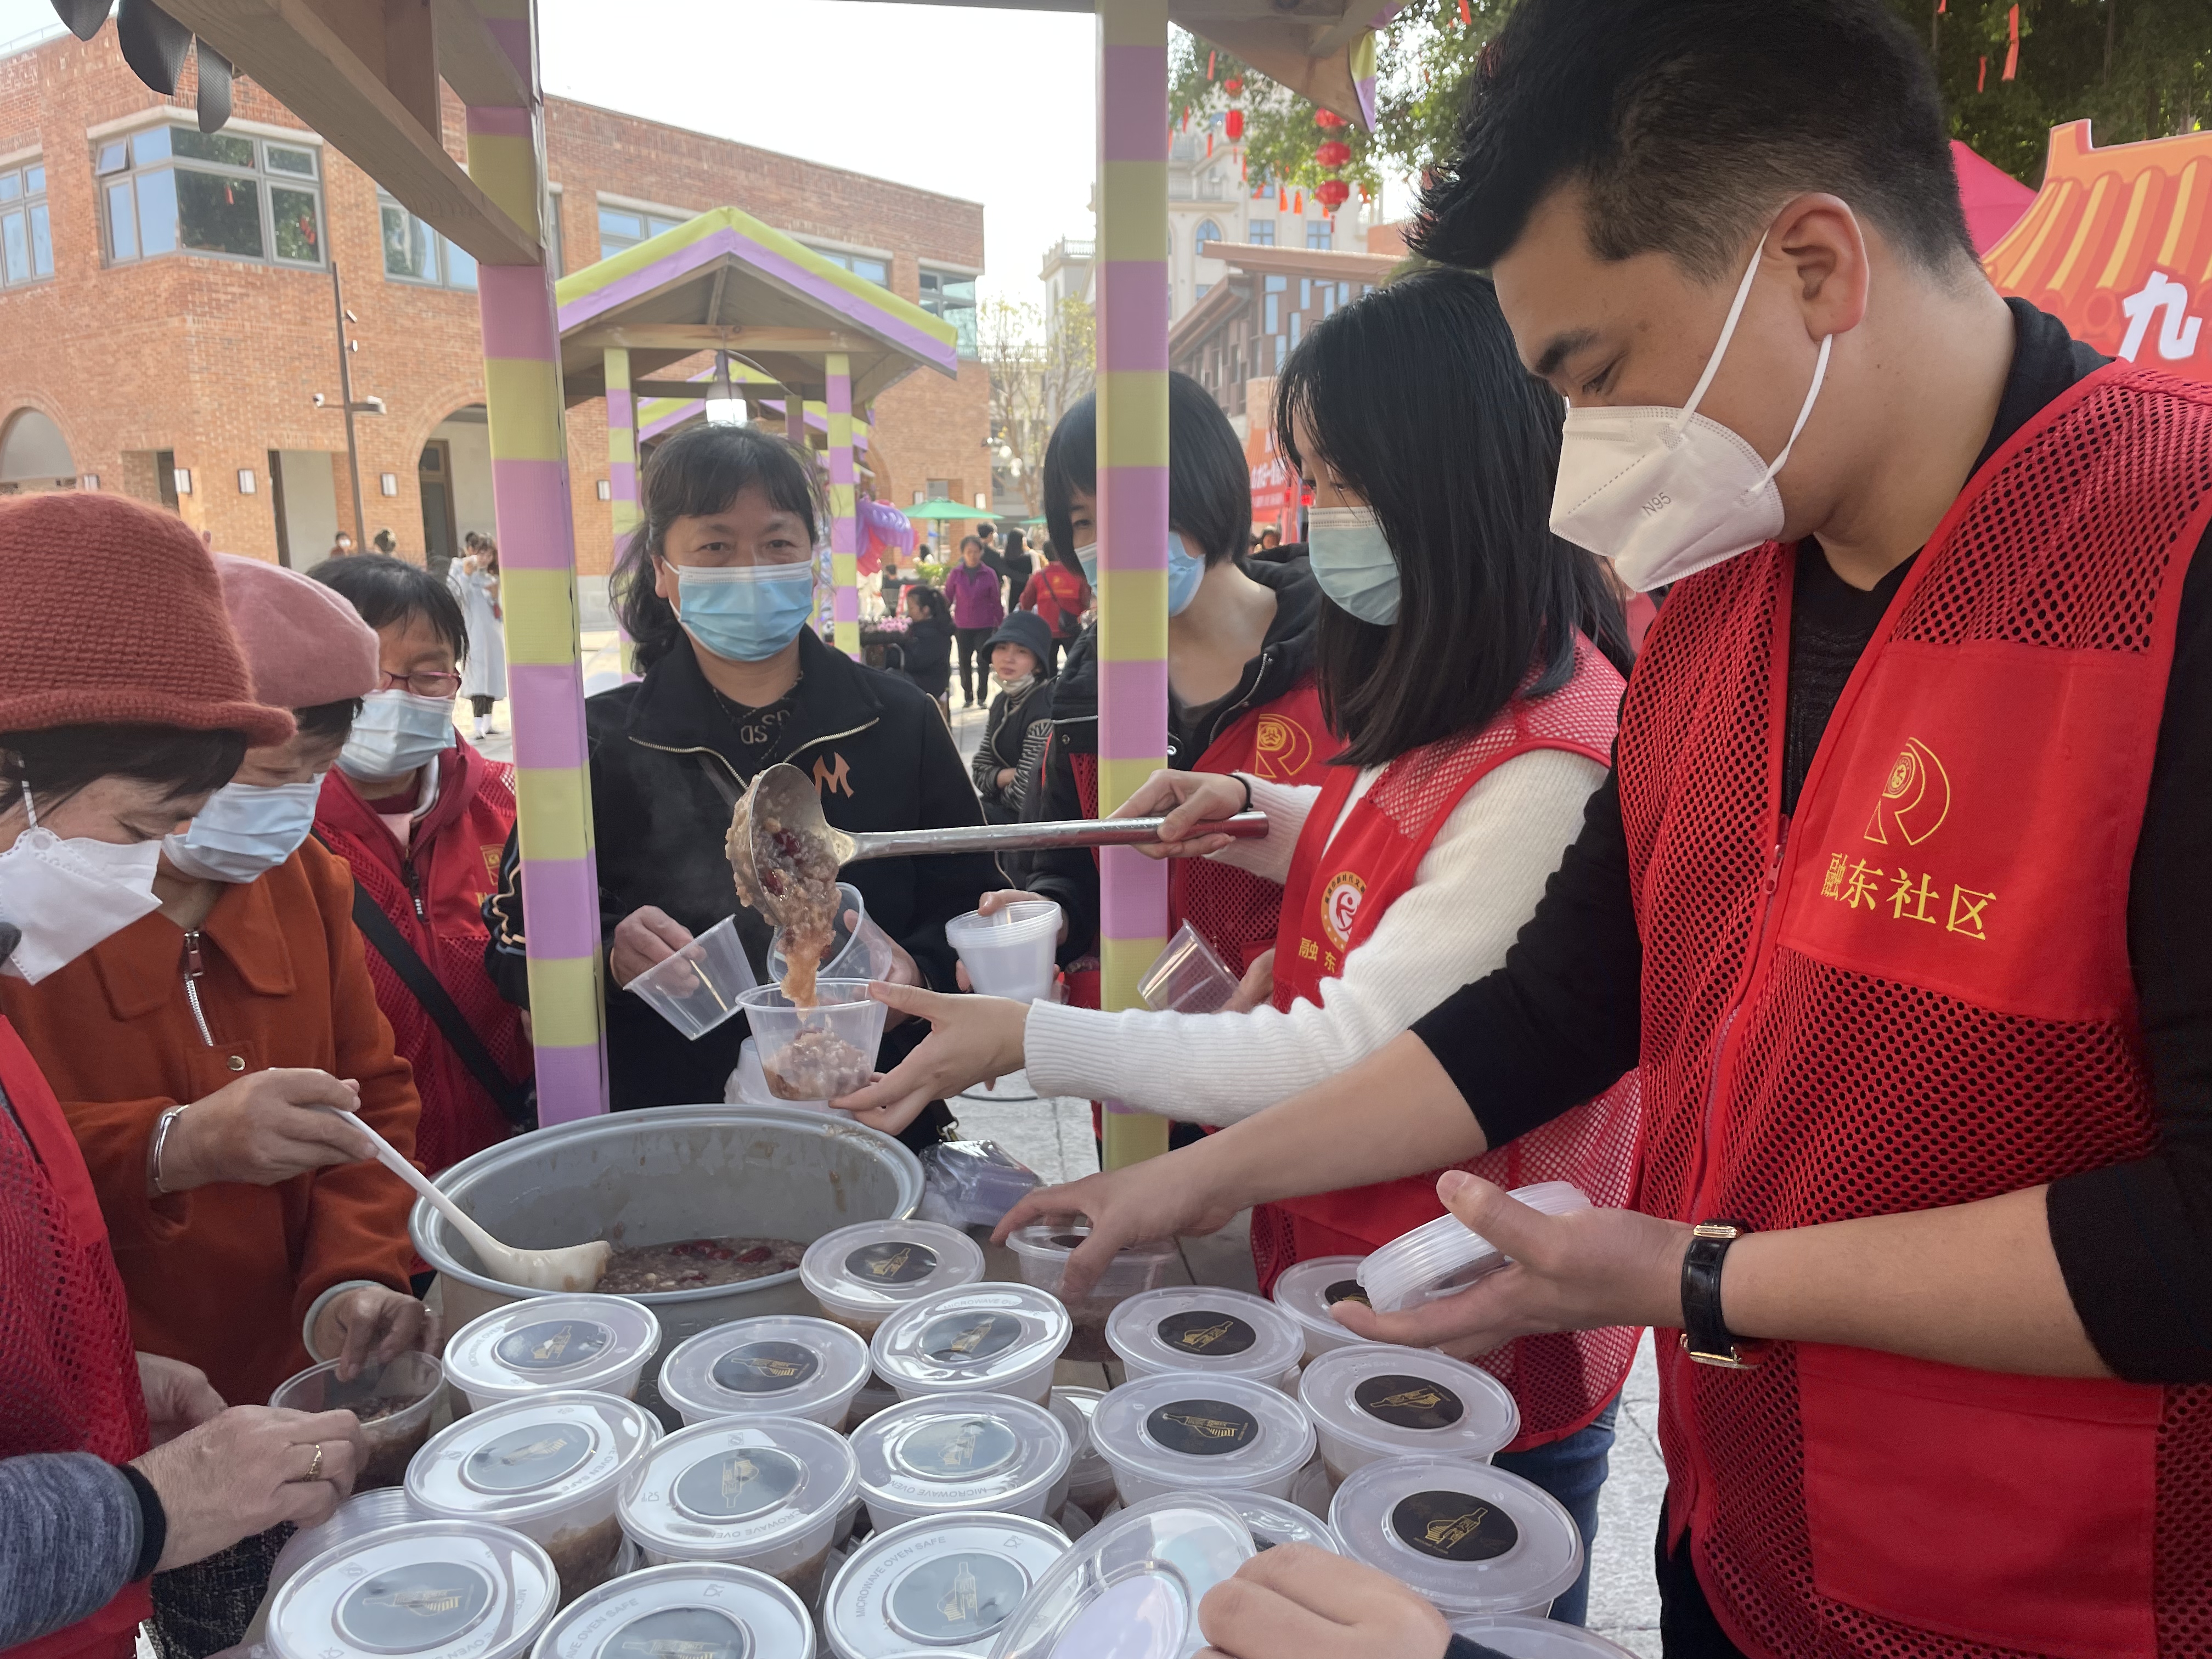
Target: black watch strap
1705	1335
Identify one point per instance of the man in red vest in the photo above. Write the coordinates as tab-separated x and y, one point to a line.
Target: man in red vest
1899	898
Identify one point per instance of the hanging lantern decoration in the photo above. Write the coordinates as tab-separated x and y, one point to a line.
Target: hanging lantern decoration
1298	203
1282	199
1233	85
1329	118
1233	124
1331	193
1329	156
1333	154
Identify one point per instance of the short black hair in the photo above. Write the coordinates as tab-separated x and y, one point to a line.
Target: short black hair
384	590
699	472
58	761
929	598
1209	486
1689	122
1414	397
331	721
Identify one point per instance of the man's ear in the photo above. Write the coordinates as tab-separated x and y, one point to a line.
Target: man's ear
1826	247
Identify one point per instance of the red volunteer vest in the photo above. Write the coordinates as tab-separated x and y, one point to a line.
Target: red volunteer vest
1915	995
69	1375
1340	886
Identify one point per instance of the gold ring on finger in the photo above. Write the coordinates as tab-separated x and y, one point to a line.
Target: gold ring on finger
315	1467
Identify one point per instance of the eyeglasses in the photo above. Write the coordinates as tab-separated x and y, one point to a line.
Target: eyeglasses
423	685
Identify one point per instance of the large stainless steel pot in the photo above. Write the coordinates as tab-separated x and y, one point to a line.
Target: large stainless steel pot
673	1172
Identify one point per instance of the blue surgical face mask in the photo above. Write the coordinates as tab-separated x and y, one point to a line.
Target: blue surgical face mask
245	830
1185	571
745	613
395	734
1353	562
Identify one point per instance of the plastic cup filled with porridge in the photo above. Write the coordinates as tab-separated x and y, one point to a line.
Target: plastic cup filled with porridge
430	1589
1181	1431
818	1052
954	1453
780	1365
394	1402
991	1338
1043	1248
1375	1400
692	1610
1308	1289
546	1343
945	1582
1205	1328
1473	1539
860	1274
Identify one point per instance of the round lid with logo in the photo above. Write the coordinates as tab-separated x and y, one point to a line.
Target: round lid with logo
945	1453
1278	1521
530	1458
430	1589
942	1585
1471	1538
692	1610
544	1342
1204	1327
978	1336
741	1484
1073	1407
1522	1636
1177	1428
780	1364
1308	1289
1129	1587
1401	1403
878	1266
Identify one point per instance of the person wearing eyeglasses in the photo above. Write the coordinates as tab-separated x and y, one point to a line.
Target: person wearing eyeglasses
421	817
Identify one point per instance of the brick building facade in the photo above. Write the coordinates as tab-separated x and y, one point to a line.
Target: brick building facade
190	377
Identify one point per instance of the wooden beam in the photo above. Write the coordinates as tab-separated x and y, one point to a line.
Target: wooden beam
410	62
287	47
472	62
683	391
699	336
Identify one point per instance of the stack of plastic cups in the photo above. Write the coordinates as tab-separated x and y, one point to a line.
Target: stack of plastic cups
431	1589
780	1365
700	986
1444	1255
1188	977
1010	952
547	1343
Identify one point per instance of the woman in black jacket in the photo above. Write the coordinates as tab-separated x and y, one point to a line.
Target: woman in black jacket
1020	719
716	588
925	653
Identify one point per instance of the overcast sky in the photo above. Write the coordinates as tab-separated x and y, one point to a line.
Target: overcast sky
992	106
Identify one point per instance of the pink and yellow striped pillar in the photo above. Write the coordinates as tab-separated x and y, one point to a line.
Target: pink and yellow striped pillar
1132	499
538	561
844	524
622	445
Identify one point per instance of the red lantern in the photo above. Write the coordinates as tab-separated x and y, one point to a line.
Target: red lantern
1233	125
1233	85
1298	203
1333	154
1331	193
1328	117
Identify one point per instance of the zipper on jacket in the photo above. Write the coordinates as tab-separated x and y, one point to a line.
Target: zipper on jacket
1725	1035
413	877
195	970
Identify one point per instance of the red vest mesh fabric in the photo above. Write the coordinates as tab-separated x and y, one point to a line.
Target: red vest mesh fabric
1786	1089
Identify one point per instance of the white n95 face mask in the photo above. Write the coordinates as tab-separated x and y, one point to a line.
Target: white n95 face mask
1664	493
67	893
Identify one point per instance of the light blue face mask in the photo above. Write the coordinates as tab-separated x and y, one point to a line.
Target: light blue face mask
396	734
745	613
1185	572
245	830
1353	562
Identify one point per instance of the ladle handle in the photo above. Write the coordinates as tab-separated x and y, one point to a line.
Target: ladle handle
1019	837
389	1156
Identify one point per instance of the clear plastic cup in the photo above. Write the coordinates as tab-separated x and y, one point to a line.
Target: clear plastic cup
394	1402
862	1273
1281	1521
1376	1399
1442	1256
544	1343
960	1454
1089	1476
695	1608
858	948
431	1589
1313	1489
989	1338
698	987
362	1513
778	1365
1179	1432
818	1052
947	1581
1043	1249
1473	1539
1188	977
1205	1329
1518	1636
1010	952
1308	1289
770	1493
549	1466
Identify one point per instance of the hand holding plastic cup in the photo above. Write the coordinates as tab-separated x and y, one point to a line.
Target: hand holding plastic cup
1188	977
1010	952
818	1052
698	987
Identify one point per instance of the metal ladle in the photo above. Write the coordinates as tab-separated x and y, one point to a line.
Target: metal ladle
786	795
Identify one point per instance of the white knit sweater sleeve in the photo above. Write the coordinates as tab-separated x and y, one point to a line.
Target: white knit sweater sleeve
1477	885
1286	804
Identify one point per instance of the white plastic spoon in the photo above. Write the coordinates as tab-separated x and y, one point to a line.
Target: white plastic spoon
573	1267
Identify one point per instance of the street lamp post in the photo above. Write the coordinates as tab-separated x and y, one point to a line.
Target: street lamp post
366	406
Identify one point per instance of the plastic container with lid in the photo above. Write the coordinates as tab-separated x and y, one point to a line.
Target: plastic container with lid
771	1493
694	1609
1308	1289
1043	1249
1090	1477
1376	1399
1444	1256
549	1466
1179	1430
860	1274
946	1454
363	1512
1519	1636
699	987
430	1589
1473	1539
1009	953
780	1364
818	1052
547	1343
1278	1521
1130	1588
996	1338
1312	1489
1205	1329
394	1402
943	1584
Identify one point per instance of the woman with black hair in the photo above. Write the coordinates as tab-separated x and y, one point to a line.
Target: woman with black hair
1471	663
925	652
716	588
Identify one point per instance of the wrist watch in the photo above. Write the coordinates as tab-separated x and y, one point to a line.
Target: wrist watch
1705	1337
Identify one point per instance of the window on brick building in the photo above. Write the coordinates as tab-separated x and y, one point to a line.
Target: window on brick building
866	266
169	190
413	253
1319	234
1261	232
27	242
951	295
624	228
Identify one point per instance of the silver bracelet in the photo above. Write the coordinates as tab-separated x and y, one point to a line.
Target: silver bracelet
161	1127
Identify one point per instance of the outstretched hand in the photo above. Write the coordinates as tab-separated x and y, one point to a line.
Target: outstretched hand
1167	1197
972	1039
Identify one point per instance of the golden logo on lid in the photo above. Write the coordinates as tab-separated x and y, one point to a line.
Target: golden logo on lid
889	1267
427	1602
960	1601
1206	1336
971	1338
738	1473
677	1648
554	1346
960	1449
1208	1428
1419	1400
1448	1530
772	1367
530	1452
